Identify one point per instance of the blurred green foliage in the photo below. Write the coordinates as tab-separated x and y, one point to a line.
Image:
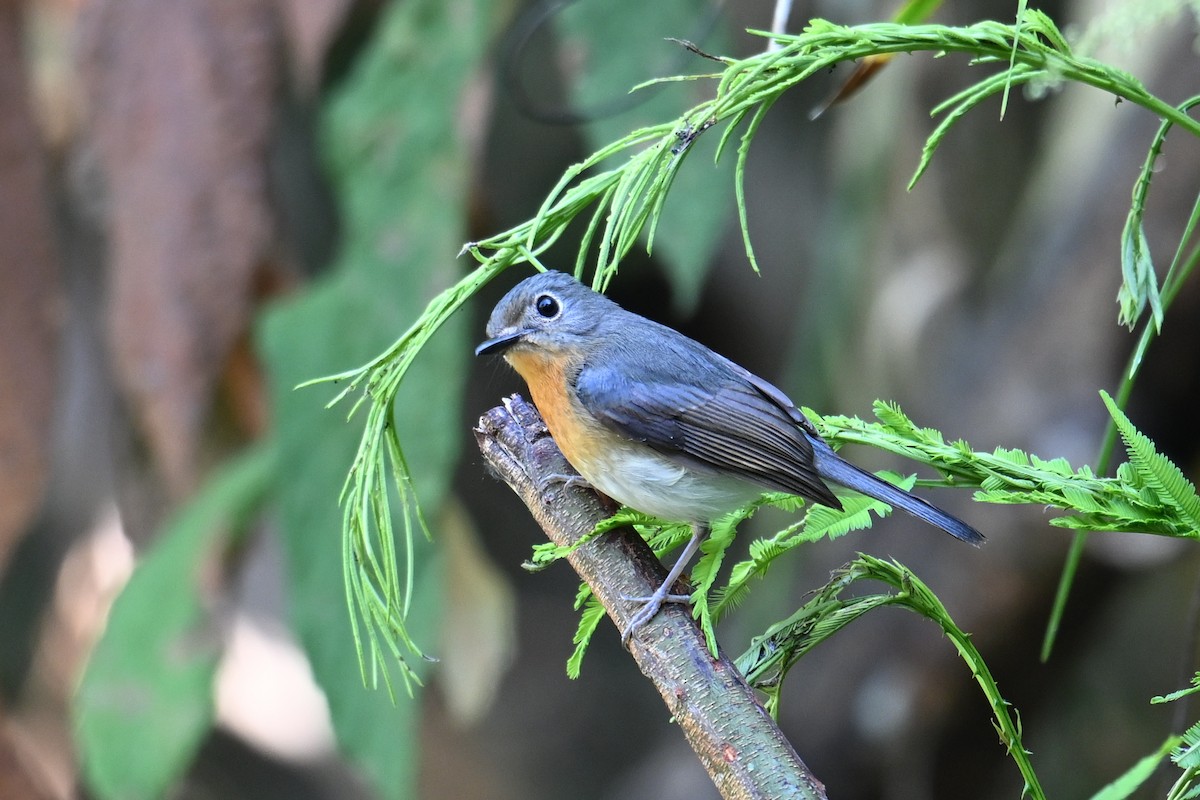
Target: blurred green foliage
146	700
399	160
400	165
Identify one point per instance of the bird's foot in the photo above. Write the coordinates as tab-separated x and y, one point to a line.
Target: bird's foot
566	481
650	607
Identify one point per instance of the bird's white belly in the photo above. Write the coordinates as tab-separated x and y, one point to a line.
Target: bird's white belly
638	477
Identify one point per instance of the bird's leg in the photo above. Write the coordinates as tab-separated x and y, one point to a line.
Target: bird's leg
651	604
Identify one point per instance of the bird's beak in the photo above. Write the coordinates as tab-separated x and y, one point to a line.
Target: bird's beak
499	344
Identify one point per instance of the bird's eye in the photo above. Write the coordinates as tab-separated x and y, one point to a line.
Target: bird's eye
547	306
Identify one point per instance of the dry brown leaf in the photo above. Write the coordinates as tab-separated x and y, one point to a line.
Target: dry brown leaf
181	101
30	297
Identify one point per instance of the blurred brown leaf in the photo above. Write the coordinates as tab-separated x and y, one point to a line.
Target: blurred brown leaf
181	109
310	26
30	296
15	781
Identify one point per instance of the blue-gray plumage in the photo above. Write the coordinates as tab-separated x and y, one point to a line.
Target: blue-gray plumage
664	425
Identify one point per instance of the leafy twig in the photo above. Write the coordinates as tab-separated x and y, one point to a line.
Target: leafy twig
767	661
1148	494
1133	296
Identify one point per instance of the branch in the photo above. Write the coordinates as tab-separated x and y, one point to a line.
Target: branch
738	743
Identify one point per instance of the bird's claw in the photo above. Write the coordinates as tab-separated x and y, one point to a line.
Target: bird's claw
650	607
567	482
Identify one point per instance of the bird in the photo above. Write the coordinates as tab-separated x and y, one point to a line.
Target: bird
662	424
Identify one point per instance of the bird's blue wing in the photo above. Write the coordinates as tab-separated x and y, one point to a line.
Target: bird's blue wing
707	413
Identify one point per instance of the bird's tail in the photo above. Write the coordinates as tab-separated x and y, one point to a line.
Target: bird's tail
832	467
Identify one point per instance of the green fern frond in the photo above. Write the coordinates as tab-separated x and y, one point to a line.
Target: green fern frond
784	502
822	522
704	575
762	553
664	538
1176	695
1187	754
589	620
729	597
890	414
1159	472
547	553
818	523
1038	22
1148	495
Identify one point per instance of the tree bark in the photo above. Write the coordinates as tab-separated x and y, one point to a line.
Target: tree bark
737	741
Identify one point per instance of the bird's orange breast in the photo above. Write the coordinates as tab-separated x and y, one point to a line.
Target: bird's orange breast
579	436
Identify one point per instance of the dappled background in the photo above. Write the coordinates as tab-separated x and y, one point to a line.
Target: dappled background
203	205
